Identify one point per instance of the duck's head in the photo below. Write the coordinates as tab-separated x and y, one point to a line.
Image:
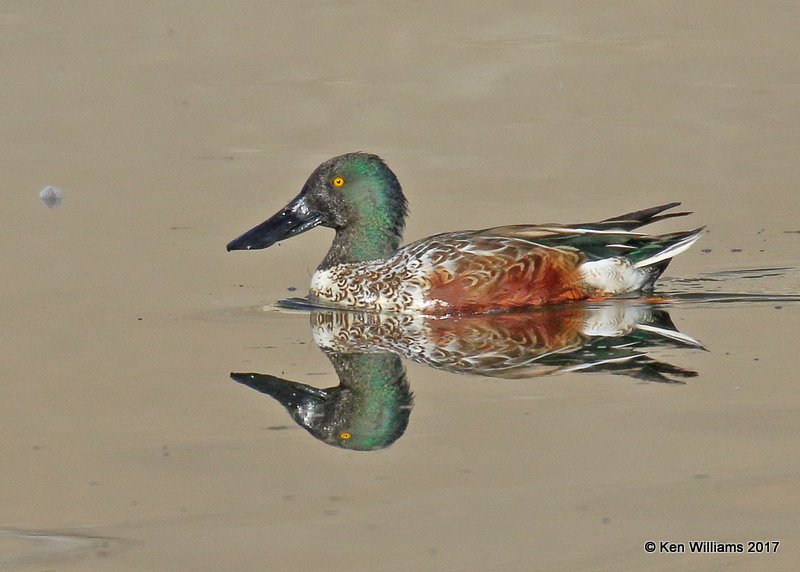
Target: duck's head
355	194
368	410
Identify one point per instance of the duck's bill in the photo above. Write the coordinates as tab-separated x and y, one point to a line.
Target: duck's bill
290	394
295	218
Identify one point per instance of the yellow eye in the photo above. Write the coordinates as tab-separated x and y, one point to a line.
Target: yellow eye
344	436
338	182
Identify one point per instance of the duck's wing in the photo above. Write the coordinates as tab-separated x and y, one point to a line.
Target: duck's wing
626	222
611	237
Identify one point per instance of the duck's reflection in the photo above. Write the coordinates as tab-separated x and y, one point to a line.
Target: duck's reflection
368	410
370	407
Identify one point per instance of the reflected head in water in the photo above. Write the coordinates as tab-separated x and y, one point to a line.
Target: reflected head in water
370	407
368	410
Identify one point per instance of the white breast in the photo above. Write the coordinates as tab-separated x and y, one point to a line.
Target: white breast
377	286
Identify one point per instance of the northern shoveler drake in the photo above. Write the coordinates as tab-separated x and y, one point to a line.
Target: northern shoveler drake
474	271
613	336
370	407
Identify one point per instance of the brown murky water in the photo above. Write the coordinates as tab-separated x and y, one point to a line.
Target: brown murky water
172	128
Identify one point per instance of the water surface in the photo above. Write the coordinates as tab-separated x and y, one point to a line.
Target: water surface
169	129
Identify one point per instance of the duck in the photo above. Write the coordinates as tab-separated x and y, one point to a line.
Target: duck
613	336
369	409
459	272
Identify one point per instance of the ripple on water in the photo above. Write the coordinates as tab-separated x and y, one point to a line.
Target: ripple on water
26	548
765	285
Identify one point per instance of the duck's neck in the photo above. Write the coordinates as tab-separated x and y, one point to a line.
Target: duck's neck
358	245
375	233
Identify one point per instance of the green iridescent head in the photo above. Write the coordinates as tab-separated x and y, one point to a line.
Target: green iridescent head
367	411
357	195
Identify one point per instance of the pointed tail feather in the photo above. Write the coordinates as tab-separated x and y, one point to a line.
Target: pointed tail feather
676	243
635	219
671	334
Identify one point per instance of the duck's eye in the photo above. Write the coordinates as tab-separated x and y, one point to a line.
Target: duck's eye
338	182
344	436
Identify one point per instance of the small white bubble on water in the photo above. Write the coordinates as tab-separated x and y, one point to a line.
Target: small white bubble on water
51	197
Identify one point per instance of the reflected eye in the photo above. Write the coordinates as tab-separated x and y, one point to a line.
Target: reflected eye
338	182
345	436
